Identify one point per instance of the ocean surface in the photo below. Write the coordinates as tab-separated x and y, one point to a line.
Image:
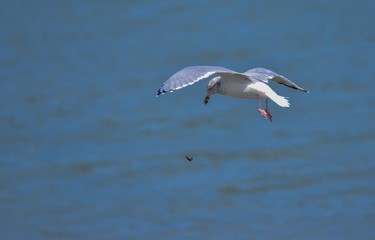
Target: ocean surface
88	152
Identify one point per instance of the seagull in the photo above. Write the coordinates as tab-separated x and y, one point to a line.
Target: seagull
250	84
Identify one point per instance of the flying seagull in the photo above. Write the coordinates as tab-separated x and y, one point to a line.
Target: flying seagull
250	84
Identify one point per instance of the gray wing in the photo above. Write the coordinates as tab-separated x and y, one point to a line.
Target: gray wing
262	74
189	76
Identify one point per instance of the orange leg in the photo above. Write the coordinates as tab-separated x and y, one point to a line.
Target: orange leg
264	113
267	111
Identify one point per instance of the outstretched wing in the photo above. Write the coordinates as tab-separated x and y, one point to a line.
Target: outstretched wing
262	74
189	76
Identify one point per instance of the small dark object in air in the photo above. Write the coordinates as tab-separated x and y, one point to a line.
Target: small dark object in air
189	158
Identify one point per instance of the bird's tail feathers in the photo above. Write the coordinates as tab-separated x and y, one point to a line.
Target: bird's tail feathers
281	101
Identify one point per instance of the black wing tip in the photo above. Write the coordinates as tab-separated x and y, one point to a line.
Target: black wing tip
159	92
303	90
295	87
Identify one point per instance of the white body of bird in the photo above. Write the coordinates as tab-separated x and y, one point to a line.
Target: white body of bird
246	89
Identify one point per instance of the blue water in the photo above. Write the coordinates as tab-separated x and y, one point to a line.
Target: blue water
88	152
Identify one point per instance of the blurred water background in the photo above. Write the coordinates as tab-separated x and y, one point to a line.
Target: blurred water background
88	152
